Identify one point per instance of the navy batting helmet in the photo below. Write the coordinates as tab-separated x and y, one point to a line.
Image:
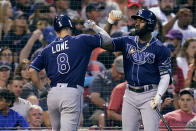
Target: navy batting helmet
147	15
62	21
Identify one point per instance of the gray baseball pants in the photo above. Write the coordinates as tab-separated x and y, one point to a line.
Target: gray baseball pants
136	107
65	107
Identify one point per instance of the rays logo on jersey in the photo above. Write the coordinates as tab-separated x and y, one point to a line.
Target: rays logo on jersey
138	57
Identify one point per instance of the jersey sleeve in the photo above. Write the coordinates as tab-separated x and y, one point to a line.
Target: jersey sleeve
93	41
118	43
38	62
164	61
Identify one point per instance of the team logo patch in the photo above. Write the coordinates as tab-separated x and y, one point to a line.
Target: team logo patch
132	51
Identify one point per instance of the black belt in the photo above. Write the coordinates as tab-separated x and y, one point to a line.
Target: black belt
68	85
140	89
71	85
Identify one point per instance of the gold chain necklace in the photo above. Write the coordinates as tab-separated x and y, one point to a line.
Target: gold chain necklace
143	48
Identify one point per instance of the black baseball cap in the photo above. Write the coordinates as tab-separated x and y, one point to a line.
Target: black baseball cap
186	91
94	6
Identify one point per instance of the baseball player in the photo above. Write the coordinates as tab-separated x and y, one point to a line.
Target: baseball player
147	71
65	61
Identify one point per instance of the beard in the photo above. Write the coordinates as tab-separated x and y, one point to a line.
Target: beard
142	31
167	10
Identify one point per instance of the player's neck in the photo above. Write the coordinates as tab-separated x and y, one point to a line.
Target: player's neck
145	38
64	33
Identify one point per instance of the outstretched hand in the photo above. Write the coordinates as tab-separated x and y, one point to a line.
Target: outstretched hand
89	24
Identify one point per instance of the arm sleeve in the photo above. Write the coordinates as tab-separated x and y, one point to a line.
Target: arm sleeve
163	84
107	40
164	64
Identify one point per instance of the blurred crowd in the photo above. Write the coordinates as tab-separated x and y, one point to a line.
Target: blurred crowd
26	27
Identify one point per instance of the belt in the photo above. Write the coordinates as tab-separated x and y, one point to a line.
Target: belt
66	84
72	85
140	89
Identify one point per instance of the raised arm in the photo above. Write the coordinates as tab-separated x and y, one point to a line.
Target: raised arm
107	40
24	54
171	23
114	16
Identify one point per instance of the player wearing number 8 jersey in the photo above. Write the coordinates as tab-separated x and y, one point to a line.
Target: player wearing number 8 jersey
65	61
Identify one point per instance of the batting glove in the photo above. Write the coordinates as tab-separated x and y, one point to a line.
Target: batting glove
89	24
156	101
114	15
